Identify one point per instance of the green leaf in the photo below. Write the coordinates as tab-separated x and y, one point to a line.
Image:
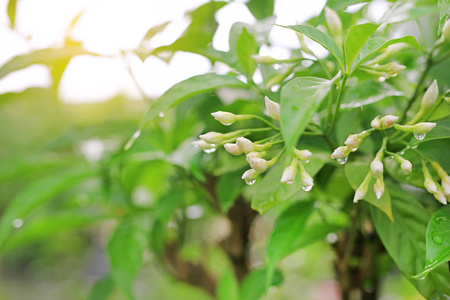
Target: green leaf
290	224
444	13
12	12
34	195
125	249
355	172
356	38
43	56
227	287
254	284
261	9
246	47
322	38
300	99
404	240
228	189
189	88
102	288
49	225
377	44
438	241
342	4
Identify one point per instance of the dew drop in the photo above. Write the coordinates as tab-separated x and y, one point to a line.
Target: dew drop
342	160
437	237
17	223
419	136
414	147
439	220
422	278
307	188
403	152
381	79
393	75
354	149
210	150
250	182
392	157
290	182
161	115
307	161
405	172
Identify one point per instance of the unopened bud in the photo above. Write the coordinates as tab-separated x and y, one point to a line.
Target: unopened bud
376	167
419	128
333	21
340	152
232	149
376	123
250	176
394	49
352	142
253	154
303	154
430	185
406	167
445	178
213	137
446	31
288	174
439	195
361	192
226	118
430	96
307	181
378	187
259	164
273	109
264	59
388	121
393	68
245	144
203	145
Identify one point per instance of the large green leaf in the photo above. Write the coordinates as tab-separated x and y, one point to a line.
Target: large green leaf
254	284
322	38
34	195
438	241
42	56
355	172
189	88
246	47
356	38
288	226
444	13
228	286
125	249
261	9
374	45
49	225
300	99
404	240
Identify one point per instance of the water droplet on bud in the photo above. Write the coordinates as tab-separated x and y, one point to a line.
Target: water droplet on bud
307	161
17	223
414	147
381	79
307	188
210	150
403	152
250	182
419	136
342	160
290	182
161	115
392	157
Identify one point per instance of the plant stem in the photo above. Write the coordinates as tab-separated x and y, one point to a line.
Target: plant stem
265	121
338	104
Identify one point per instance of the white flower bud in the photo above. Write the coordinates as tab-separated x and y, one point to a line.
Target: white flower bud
394	49
253	154
419	128
303	154
307	181
376	123
406	167
259	164
446	31
352	142
232	149
378	188
430	96
288	175
376	167
226	118
203	145
250	176
439	195
393	68
340	152
212	137
333	21
430	185
245	144
361	192
446	185
388	121
273	109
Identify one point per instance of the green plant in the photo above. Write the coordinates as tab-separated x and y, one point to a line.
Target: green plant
385	99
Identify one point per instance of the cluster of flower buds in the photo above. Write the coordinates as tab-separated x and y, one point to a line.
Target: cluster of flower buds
385	71
352	144
440	191
387	53
296	165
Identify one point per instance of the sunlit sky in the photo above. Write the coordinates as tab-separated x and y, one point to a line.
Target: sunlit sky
110	26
